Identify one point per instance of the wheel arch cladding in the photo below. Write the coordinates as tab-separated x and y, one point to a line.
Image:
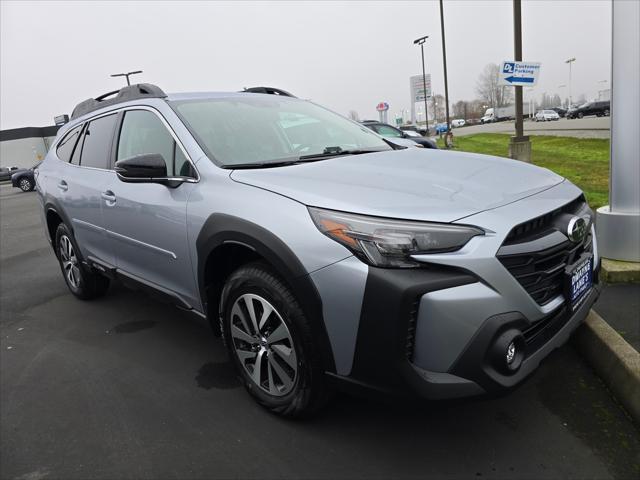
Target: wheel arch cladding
224	234
55	216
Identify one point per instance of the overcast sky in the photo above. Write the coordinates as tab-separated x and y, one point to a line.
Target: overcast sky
344	55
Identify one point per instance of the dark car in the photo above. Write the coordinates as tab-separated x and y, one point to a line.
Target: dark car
23	178
599	109
6	172
386	130
560	111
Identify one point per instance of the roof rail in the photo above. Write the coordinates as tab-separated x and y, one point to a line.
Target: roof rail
269	91
125	94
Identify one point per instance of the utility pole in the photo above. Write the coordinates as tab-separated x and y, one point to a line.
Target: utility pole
128	74
519	146
420	41
570	61
448	140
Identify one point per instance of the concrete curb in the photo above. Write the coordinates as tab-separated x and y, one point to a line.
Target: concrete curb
615	361
615	271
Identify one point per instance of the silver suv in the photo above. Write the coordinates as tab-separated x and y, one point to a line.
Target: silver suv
324	256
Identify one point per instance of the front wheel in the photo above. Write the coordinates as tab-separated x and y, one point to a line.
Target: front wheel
271	344
25	185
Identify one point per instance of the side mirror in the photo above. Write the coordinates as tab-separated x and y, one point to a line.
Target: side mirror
145	168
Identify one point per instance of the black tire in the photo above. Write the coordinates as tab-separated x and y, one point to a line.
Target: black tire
580	115
83	283
25	184
309	392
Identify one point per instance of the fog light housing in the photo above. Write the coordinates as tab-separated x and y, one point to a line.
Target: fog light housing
507	352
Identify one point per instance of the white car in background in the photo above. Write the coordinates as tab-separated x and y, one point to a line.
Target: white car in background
458	122
546	115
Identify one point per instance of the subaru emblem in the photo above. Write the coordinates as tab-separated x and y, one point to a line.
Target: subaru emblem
577	229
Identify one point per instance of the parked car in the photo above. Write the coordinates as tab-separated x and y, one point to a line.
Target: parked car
458	122
23	178
599	109
6	172
560	111
393	134
323	256
546	116
414	128
441	128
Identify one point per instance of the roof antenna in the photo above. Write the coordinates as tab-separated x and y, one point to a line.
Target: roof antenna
126	75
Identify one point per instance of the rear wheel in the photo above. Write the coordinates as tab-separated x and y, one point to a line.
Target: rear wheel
270	341
580	115
82	282
25	185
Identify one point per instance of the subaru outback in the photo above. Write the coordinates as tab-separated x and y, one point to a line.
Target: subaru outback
323	256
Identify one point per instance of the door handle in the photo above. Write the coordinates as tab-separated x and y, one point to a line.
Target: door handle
63	186
109	197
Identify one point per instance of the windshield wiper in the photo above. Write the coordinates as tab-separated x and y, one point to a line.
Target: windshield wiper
241	166
328	153
337	151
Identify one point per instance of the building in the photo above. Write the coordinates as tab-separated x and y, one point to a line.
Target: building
23	147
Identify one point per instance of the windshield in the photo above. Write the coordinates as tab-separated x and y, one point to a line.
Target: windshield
257	129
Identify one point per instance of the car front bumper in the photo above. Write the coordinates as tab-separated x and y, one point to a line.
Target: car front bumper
391	351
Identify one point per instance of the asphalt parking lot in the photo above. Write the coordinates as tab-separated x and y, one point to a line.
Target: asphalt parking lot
125	387
588	127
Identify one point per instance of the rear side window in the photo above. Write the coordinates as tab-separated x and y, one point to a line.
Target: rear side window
65	147
96	147
143	132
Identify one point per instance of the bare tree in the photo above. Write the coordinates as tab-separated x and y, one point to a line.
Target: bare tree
489	89
353	115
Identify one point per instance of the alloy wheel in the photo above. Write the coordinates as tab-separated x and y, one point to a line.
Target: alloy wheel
263	344
25	185
69	262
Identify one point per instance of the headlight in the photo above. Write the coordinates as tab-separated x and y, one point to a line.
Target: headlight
390	243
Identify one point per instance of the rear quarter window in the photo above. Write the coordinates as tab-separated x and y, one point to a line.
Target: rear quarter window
67	144
96	146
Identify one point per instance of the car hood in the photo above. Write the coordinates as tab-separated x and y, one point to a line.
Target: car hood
416	183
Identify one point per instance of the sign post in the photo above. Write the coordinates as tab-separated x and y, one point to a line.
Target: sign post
519	73
382	109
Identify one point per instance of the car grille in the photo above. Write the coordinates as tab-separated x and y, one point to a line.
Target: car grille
537	252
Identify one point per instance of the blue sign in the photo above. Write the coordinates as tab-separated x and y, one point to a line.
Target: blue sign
519	73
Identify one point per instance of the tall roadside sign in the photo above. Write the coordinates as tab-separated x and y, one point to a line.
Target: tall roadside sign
418	92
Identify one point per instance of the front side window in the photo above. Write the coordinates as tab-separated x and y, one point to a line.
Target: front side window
65	147
96	144
387	131
143	132
244	130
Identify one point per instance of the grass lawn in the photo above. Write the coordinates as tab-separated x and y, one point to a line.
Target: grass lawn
584	161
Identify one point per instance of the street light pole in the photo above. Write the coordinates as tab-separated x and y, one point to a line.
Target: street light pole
570	61
420	41
446	83
128	74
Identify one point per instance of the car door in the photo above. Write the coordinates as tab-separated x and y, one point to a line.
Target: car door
146	222
80	183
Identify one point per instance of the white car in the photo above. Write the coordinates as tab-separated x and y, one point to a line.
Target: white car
546	115
458	122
